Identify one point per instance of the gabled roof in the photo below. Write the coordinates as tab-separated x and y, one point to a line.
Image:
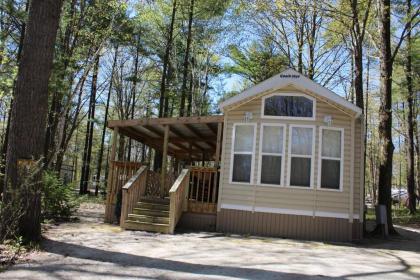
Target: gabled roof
287	78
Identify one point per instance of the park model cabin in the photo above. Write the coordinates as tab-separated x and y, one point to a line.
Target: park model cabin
287	161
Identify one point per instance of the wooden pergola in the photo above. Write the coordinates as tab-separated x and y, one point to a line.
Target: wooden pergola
185	138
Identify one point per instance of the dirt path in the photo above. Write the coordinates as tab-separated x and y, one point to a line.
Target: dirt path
94	250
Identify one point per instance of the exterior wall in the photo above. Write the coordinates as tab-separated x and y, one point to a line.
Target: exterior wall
291	226
312	202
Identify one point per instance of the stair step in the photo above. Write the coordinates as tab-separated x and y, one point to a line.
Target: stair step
151	212
148	219
153	227
155	200
153	206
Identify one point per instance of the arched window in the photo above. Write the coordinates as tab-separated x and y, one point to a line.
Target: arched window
289	106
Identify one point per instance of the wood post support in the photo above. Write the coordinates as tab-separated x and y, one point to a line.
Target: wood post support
164	161
109	209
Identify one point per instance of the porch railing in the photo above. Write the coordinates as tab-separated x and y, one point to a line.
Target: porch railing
131	193
178	195
204	182
119	173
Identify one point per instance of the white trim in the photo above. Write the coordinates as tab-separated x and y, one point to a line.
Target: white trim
351	196
290	77
222	163
288	211
252	153
236	207
362	168
263	116
282	154
290	155
320	158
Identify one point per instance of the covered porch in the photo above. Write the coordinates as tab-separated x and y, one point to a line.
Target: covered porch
154	200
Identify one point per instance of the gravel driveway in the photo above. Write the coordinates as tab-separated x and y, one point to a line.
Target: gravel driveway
91	249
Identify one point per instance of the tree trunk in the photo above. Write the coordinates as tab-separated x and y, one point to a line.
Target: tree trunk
87	153
29	112
101	149
191	89
357	37
133	94
385	111
157	163
9	113
410	121
166	61
186	61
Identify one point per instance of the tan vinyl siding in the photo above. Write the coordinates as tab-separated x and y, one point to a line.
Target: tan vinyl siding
292	198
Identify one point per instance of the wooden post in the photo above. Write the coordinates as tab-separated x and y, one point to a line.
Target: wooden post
164	161
190	153
109	203
217	159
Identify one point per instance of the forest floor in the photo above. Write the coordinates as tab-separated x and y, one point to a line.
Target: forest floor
90	249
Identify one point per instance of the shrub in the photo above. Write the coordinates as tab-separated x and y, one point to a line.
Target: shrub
59	202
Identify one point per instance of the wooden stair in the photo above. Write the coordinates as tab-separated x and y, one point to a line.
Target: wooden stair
150	214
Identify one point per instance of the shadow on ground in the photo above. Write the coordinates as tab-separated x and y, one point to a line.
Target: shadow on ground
199	270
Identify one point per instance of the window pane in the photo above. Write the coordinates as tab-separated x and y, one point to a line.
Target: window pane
289	106
244	138
331	143
272	139
242	168
271	170
330	174
300	172
302	141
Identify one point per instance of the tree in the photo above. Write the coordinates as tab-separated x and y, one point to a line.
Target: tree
87	152
410	119
256	63
387	58
29	112
186	60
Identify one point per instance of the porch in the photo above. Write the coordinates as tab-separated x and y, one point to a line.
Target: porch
142	199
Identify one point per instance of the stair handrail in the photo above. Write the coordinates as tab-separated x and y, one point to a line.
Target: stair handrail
131	193
178	195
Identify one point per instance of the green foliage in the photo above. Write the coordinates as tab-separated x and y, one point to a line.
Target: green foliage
256	63
10	214
59	202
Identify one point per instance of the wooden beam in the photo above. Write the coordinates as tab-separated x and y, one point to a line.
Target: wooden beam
157	132
180	135
212	128
164	161
157	144
198	134
166	121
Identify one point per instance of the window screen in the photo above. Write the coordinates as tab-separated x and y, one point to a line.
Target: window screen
271	154
242	153
331	158
288	106
301	140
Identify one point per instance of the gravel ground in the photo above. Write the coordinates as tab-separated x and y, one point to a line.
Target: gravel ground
91	249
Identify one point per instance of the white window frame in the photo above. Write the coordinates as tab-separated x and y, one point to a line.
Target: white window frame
288	117
232	153
320	158
282	154
312	157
